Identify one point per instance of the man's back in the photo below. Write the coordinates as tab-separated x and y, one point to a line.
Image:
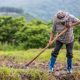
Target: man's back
58	27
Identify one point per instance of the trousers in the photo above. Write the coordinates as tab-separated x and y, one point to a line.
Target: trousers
58	45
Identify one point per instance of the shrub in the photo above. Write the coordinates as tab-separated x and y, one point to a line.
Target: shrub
76	45
18	32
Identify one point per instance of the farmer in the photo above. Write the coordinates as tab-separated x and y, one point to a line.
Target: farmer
63	19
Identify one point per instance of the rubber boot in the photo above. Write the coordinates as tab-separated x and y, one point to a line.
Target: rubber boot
69	65
52	62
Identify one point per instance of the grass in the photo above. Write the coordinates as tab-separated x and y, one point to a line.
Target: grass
22	56
21	74
8	73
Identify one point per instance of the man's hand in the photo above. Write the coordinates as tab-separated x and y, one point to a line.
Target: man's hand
50	42
68	24
76	23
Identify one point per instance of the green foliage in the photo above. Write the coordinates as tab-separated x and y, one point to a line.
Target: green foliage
77	32
76	45
22	34
6	46
17	33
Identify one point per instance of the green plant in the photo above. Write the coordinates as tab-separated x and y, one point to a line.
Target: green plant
76	45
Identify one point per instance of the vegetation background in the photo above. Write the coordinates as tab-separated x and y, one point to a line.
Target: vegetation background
19	34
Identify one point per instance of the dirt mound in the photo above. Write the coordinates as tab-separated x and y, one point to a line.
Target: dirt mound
74	76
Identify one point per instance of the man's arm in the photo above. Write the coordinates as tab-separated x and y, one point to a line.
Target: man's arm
76	23
53	30
51	38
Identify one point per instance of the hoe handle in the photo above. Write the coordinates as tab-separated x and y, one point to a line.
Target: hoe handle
47	46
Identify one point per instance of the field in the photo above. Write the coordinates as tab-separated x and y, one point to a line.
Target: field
12	65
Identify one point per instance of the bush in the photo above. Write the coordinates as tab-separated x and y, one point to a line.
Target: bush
19	33
77	32
76	45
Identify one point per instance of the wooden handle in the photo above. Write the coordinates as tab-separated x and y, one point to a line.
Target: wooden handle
60	34
47	46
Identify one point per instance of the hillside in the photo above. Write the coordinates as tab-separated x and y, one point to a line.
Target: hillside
12	11
44	9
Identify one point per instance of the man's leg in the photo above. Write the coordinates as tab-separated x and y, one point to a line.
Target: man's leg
69	55
54	55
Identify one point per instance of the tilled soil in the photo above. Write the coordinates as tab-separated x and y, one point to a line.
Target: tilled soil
60	72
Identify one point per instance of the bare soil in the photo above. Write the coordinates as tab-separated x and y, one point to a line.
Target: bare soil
60	72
